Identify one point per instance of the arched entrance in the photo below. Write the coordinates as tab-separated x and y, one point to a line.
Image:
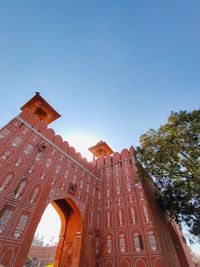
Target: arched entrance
69	245
67	252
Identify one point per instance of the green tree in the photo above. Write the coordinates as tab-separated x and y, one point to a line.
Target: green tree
198	261
171	155
28	261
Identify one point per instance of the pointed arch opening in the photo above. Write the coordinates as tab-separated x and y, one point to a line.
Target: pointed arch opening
67	250
69	245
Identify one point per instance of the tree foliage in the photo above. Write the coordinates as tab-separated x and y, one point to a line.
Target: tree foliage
28	261
171	155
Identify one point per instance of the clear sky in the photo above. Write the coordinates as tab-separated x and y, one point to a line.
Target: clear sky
112	69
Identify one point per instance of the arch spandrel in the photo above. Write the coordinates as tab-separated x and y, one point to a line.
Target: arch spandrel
77	206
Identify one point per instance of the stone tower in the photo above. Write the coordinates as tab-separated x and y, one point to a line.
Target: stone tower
109	217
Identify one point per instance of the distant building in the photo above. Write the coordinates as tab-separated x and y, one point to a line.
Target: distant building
38	241
43	255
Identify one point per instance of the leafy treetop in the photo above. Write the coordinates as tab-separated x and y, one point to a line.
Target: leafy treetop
171	155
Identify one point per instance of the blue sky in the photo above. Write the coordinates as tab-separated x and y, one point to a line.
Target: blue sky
112	69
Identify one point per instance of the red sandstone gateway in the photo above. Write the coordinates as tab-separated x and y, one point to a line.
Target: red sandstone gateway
109	215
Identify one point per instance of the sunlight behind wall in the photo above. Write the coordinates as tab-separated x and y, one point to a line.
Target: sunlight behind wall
81	142
49	226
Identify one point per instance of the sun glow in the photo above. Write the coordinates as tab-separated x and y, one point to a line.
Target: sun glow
49	227
81	142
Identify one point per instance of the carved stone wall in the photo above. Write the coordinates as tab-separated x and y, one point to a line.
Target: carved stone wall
122	226
130	230
36	168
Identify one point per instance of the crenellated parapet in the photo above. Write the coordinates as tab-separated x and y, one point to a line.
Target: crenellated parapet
126	154
48	135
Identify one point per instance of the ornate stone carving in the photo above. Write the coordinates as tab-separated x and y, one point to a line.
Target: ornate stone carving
81	207
28	149
99	194
107	203
120	217
62	157
34	195
93	191
98	220
62	186
117	189
4	133
5	155
117	180
48	162
87	188
74	179
4	220
109	244
128	186
31	168
1	166
43	175
152	241
20	227
136	242
122	243
133	215
141	195
5	182
19	189
130	199
144	208
86	199
69	163
16	141
18	162
117	170
58	168
97	245
79	195
35	138
25	130
53	151
66	174
118	201
138	185
81	184
108	219
53	180
91	218
39	156
54	194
